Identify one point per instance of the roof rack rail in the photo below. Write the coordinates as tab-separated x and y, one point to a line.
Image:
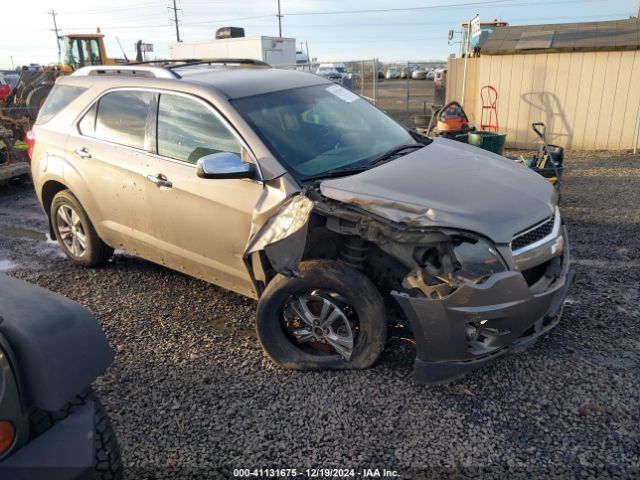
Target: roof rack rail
131	70
188	62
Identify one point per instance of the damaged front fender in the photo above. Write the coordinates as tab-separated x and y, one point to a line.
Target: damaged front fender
279	230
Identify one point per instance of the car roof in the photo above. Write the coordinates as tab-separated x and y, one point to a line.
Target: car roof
246	82
231	82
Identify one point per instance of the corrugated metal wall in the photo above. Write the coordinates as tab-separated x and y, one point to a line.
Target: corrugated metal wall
588	100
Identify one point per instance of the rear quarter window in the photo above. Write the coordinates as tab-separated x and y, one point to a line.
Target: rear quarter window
58	99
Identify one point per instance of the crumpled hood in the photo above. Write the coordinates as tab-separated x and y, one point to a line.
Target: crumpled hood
450	184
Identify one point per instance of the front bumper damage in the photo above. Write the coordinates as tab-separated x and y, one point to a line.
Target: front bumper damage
479	322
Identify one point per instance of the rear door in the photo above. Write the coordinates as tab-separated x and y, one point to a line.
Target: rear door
109	153
201	225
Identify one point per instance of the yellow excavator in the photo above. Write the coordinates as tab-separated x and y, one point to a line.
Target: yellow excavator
20	109
76	51
80	50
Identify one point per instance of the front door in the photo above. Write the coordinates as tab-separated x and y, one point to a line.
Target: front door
200	225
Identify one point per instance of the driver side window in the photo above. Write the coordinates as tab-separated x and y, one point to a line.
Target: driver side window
188	130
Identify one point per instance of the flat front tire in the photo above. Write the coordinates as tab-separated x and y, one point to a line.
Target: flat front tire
75	233
332	316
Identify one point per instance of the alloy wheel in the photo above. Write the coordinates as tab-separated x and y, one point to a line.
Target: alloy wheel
71	230
322	321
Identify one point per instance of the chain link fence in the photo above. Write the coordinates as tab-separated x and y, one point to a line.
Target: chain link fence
359	76
405	90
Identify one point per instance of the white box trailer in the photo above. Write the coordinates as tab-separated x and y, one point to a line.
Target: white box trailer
273	50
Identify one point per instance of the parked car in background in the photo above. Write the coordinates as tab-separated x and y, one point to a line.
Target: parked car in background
418	74
430	73
301	57
5	88
52	425
440	77
11	77
392	72
331	72
407	71
287	188
32	67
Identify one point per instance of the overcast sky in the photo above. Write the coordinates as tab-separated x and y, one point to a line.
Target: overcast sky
399	30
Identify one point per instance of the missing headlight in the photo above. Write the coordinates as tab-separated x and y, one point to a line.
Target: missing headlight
477	259
443	267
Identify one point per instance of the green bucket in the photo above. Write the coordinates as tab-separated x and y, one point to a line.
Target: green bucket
494	142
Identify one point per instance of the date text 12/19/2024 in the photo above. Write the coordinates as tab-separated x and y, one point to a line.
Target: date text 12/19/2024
314	473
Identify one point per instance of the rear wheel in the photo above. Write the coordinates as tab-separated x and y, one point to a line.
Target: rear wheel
330	317
75	233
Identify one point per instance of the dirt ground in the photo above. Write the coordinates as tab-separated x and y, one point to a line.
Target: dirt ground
191	394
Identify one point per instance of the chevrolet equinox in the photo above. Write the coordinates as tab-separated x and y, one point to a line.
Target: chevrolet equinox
289	189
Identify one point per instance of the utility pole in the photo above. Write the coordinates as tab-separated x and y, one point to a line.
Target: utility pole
55	29
279	20
175	19
467	40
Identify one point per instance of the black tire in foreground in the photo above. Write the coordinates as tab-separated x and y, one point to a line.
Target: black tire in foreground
75	233
19	180
332	316
107	460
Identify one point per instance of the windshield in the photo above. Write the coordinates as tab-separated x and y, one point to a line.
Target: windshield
312	130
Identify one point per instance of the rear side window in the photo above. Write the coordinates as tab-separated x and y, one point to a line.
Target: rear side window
122	118
57	100
188	130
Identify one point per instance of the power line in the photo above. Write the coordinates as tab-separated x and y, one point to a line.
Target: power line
175	20
509	19
305	25
131	6
500	3
224	20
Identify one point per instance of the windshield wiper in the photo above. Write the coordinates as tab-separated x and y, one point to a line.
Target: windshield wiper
350	170
394	152
338	172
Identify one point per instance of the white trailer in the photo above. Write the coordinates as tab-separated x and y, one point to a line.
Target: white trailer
273	50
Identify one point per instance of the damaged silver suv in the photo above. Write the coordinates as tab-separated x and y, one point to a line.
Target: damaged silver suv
287	188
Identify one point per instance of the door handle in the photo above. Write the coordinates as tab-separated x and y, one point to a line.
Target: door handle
83	152
160	180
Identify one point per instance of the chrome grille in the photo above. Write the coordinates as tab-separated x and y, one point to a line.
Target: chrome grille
533	234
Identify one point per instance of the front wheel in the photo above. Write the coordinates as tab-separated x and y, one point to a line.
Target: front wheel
332	316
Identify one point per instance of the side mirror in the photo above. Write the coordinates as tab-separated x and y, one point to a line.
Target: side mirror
224	165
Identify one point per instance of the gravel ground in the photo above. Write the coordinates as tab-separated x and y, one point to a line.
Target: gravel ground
191	394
